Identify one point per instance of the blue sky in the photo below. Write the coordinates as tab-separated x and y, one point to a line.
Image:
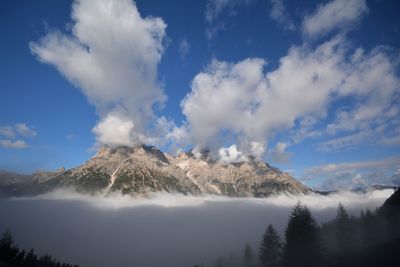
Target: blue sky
311	87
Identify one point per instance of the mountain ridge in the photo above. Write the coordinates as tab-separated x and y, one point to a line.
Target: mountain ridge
142	169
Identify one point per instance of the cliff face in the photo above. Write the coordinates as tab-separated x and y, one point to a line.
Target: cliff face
142	169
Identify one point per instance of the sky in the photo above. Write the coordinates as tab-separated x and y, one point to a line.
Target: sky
311	87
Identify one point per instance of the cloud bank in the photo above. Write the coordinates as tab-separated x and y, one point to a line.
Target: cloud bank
100	231
111	55
348	175
242	104
167	200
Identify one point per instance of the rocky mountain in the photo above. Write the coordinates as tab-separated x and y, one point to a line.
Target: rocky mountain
144	169
10	178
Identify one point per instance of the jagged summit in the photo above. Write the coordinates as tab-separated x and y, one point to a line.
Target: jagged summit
143	168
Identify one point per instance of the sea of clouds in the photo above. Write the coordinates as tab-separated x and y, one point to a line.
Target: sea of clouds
160	229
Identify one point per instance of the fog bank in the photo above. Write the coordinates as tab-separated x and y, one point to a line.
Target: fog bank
158	230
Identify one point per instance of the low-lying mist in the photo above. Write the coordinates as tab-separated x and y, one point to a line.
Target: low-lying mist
158	230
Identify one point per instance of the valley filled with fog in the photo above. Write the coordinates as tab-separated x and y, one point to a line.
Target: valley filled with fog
161	229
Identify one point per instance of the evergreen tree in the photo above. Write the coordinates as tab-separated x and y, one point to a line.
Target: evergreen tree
248	258
343	236
11	256
30	259
20	257
343	228
303	247
270	248
8	250
341	214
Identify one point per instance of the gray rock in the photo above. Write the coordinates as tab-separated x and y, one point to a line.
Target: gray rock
142	169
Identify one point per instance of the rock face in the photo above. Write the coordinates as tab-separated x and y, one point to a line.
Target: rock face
146	169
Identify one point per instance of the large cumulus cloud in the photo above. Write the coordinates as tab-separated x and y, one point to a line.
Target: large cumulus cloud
241	103
111	54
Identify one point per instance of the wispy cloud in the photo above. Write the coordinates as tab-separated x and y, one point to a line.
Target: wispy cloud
280	14
215	8
7	131
24	130
354	174
279	153
17	144
336	14
11	133
184	48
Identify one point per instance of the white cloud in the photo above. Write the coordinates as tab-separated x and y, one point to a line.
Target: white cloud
358	165
70	136
114	131
17	144
391	141
347	175
114	201
336	14
11	133
215	7
240	103
231	154
347	141
7	131
24	130
112	55
213	30
305	129
21	129
220	99
279	13
279	153
184	48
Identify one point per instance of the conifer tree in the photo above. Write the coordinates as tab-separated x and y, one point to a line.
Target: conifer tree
343	229
248	258
8	250
270	248
302	247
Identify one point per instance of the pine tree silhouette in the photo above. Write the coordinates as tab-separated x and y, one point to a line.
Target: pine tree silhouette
343	229
248	257
8	250
303	247
10	256
270	248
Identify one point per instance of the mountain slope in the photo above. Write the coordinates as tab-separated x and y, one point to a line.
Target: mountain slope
146	169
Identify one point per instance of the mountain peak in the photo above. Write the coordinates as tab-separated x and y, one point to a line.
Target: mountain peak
142	168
